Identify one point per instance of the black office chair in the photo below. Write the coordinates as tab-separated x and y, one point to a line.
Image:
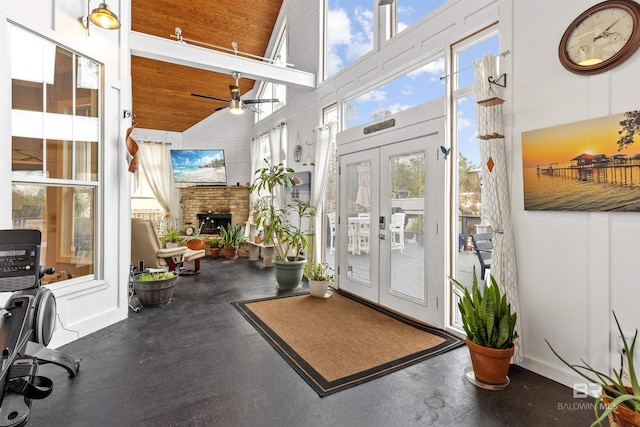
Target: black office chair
27	322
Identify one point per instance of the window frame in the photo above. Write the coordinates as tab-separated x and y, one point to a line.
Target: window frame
80	179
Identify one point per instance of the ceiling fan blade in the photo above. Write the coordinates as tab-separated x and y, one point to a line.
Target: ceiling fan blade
258	101
222	108
209	97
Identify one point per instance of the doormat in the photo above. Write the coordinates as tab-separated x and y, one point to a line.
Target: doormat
339	342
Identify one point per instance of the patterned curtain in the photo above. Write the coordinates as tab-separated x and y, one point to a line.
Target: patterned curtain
496	209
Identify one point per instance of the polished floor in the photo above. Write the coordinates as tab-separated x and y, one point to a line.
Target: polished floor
197	362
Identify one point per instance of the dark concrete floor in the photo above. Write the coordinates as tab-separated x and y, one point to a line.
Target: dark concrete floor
197	362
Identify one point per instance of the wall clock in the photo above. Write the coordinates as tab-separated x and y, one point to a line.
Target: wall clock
601	38
297	153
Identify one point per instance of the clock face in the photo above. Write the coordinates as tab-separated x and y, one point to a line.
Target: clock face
601	37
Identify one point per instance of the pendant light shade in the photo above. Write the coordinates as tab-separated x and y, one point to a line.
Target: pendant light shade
103	17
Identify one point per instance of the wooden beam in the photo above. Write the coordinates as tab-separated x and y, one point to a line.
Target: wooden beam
174	52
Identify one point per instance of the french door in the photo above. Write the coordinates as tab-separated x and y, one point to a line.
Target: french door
391	225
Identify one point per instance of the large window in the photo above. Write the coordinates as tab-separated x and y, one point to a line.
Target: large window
468	176
350	27
55	151
274	90
348	32
406	91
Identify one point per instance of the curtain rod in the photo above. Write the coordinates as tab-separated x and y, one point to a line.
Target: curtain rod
503	54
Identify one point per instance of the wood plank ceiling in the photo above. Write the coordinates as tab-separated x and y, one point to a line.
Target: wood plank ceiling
162	91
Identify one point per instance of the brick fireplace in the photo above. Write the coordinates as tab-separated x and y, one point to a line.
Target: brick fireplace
216	202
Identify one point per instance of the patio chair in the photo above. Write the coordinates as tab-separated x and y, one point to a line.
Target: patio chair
397	231
146	246
483	247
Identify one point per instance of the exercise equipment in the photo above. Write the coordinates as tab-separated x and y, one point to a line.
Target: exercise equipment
27	322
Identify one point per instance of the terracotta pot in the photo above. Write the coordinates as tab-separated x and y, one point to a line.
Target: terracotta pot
621	416
490	365
215	252
231	252
195	244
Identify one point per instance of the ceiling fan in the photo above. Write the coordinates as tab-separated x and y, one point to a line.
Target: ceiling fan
237	105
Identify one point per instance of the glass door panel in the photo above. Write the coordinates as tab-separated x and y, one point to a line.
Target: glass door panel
406	225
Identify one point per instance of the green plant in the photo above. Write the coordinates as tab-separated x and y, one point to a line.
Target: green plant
215	242
320	271
160	275
613	388
196	232
232	236
282	226
486	316
172	236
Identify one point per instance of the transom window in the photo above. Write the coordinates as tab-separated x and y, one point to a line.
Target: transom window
408	90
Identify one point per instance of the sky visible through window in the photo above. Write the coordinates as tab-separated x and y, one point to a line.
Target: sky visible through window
408	90
468	143
410	11
350	27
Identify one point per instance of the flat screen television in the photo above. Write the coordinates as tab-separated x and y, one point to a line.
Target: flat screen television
198	167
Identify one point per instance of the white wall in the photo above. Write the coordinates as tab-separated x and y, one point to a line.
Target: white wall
574	268
233	134
84	306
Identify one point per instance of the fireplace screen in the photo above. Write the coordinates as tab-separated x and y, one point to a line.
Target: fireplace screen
211	222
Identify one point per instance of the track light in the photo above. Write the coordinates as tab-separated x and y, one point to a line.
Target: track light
101	16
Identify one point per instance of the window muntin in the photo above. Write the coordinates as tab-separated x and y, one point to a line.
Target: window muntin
406	91
55	124
348	32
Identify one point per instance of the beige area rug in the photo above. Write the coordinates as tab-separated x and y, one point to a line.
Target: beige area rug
340	342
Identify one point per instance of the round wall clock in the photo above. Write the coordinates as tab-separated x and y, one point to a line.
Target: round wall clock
602	37
297	153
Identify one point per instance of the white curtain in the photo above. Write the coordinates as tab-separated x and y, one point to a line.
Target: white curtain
156	166
495	189
325	151
256	163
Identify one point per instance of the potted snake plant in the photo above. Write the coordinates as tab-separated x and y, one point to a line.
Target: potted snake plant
490	327
622	401
232	236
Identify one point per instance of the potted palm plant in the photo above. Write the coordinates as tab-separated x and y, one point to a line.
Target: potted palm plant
284	227
319	275
232	236
490	328
623	402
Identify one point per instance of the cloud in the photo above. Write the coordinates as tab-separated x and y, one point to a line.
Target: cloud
397	107
338	28
433	68
373	96
348	38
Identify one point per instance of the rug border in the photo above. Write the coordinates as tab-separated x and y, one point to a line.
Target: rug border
317	381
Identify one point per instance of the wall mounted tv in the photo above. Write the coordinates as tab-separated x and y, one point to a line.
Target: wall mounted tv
198	167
